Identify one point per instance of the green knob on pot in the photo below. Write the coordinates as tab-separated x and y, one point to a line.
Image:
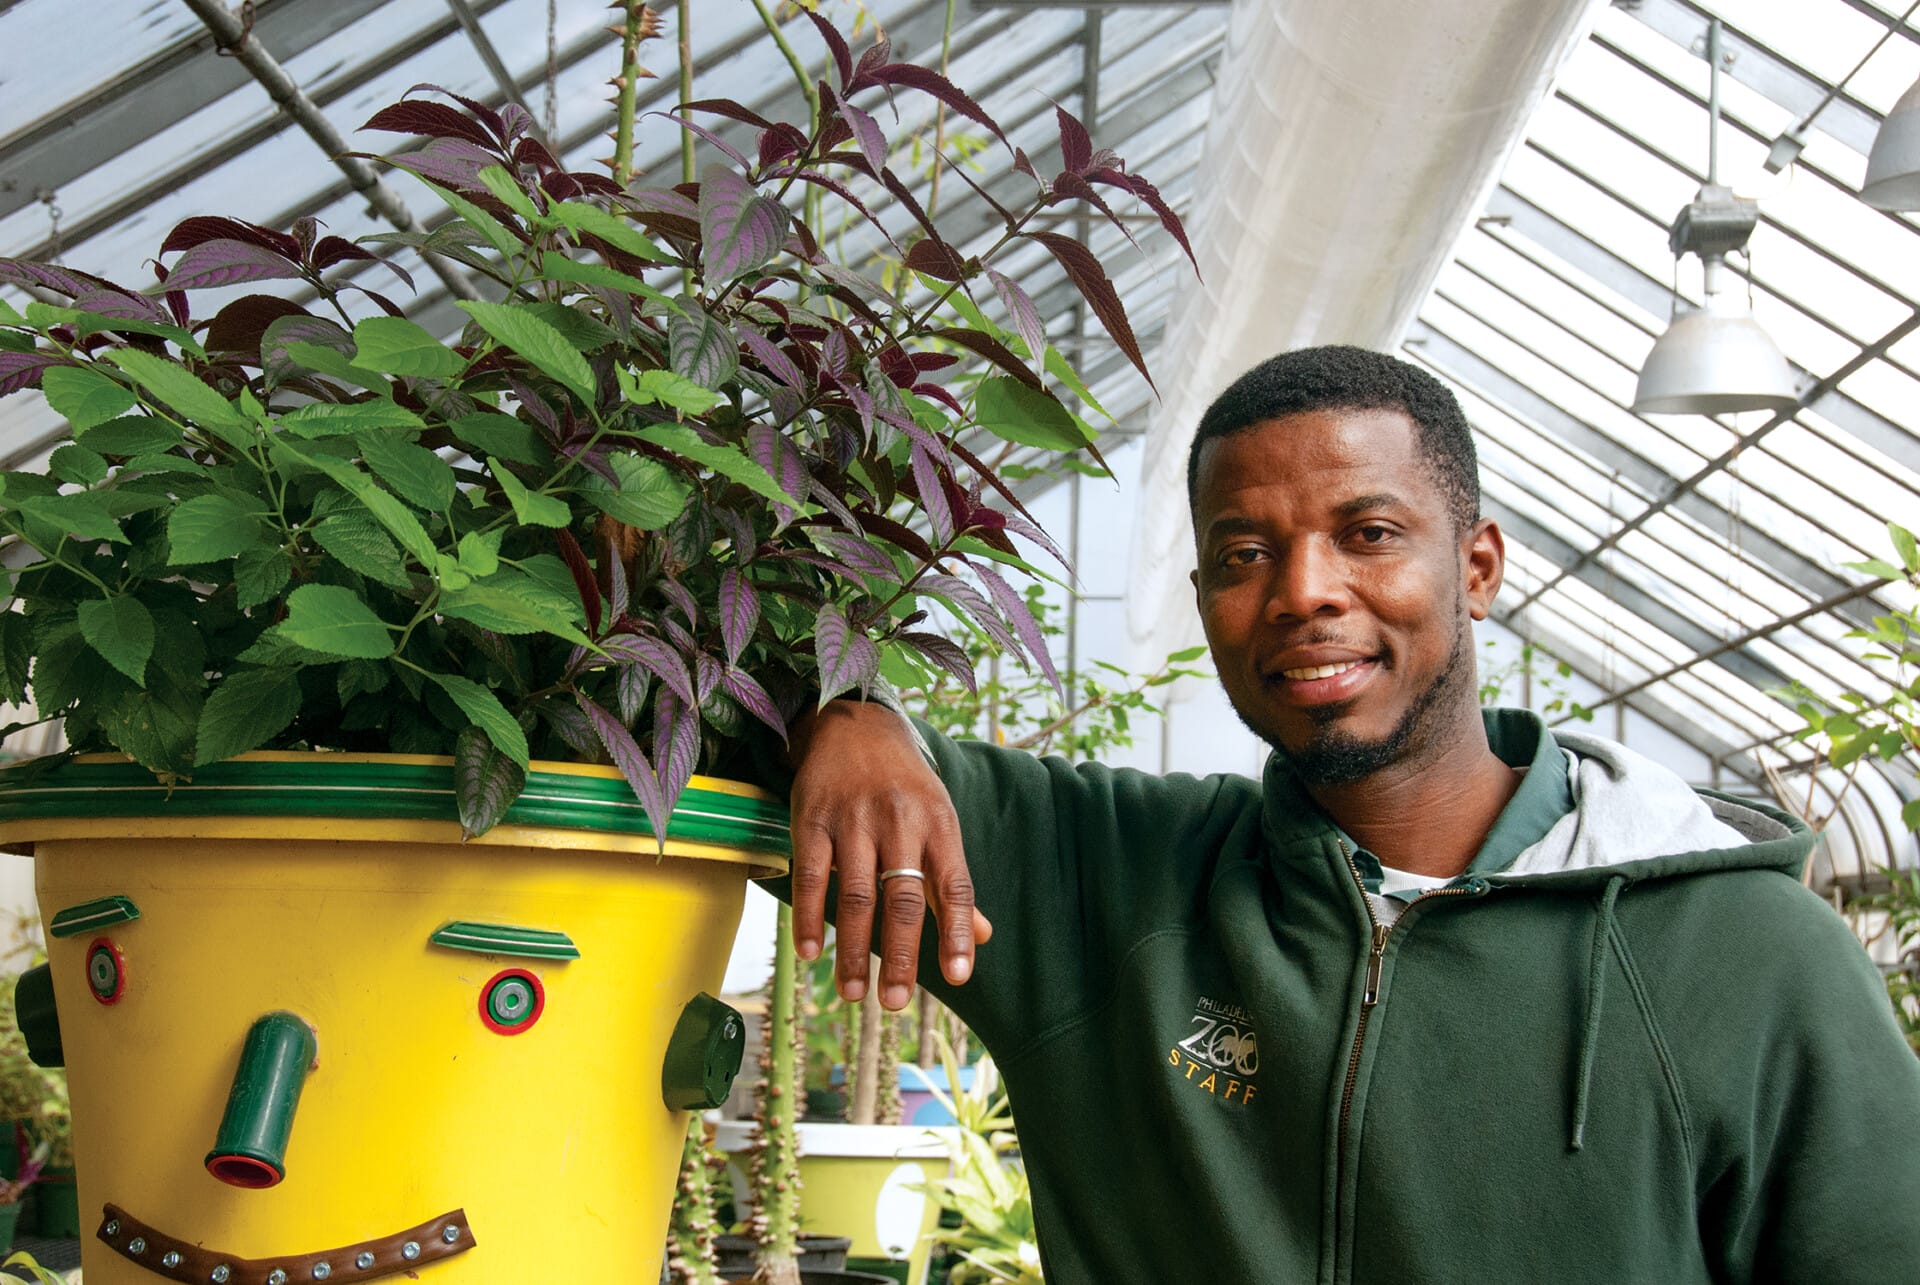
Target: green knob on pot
251	1148
39	1021
703	1055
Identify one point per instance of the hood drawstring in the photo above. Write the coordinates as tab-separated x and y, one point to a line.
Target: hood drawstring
1596	998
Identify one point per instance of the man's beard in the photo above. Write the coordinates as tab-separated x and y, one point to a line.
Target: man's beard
1333	756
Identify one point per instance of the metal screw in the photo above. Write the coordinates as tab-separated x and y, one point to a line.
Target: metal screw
365	1260
138	1245
410	1250
112	1228
171	1258
221	1274
322	1270
450	1233
276	1277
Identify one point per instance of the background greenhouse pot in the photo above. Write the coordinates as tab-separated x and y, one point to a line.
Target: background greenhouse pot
858	1180
303	1023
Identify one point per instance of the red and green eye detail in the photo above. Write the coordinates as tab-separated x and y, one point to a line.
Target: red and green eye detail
512	1001
106	971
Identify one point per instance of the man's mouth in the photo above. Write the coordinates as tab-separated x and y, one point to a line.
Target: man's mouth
1320	671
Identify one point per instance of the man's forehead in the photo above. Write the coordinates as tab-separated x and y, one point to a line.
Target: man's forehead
1376	448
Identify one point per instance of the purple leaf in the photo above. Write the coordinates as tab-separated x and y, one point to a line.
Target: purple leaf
969	600
582	572
485	782
699	347
948	655
739	612
775	452
866	134
739	533
782	142
862	403
706	675
573	727
21	272
1020	526
1075	186
1020	616
768	354
933	496
618	589
681	597
242	325
1020	311
859	554
676	744
1147	192
833	354
515	121
450	162
826	499
730	109
842	191
993	350
23	369
904	195
487	116
919	436
904	536
1091	280
701	131
432	120
1076	147
127	307
190	232
654	200
742	229
228	263
754	699
630	687
847	657
836	44
657	655
929	81
330	250
936	259
633	765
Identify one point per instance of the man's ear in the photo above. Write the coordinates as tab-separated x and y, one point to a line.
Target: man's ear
1486	565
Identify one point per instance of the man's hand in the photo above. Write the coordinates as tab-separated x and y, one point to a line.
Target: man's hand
865	802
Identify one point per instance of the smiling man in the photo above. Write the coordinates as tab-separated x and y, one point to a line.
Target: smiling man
1444	996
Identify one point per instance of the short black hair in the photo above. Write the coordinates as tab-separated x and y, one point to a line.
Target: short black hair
1342	377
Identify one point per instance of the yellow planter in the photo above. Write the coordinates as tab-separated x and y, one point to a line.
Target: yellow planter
541	1121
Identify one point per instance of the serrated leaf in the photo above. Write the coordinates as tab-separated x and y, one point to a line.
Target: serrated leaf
729	462
76	464
224	261
531	508
846	657
414	472
84	397
677	391
742	231
542	345
260	574
120	629
501	609
676	747
1903	544
156	727
631	684
479	553
492	433
700	348
244	711
615	231
488	714
1021	617
753	698
179	389
490	228
555	266
16	657
396	517
1028	416
486	781
82	514
333	621
360	544
509	192
210	528
649	495
633	765
658	655
396	346
132	435
331	419
933	495
739	611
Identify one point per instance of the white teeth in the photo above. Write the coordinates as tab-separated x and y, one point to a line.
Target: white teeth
1319	671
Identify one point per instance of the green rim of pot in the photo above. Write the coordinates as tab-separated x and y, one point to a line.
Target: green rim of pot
354	787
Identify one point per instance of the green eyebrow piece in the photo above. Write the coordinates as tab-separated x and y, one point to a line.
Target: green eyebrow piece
93	915
504	939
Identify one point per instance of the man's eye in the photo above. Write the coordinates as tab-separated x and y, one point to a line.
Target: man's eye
1239	556
1374	533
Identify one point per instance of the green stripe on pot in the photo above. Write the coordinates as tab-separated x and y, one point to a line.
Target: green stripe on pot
505	939
352	787
91	915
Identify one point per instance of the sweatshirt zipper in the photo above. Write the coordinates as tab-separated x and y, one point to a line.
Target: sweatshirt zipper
1369	996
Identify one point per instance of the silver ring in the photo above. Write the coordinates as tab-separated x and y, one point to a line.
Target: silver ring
903	872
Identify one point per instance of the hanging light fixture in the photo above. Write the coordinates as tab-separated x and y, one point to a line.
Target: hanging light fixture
1714	359
1893	164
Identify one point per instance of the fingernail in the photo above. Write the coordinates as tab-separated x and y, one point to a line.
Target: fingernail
854	991
959	968
807	948
895	997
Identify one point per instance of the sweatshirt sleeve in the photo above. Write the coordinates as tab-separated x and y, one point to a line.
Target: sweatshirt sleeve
1809	1159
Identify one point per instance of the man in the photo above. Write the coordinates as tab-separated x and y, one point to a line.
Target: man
1442	998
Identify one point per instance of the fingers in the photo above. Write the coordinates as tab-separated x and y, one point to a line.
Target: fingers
953	901
903	911
812	862
856	857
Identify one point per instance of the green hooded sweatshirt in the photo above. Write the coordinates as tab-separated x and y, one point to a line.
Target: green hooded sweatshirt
1641	1051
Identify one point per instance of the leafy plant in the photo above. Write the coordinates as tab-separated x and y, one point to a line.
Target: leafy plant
33	1104
1536	668
20	1269
987	1188
684	475
1900	905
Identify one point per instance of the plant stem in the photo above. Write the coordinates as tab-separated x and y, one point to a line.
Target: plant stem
628	84
690	1233
867	1079
800	76
776	1168
686	86
940	115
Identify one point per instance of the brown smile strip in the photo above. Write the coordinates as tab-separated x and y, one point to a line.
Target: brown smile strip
179	1260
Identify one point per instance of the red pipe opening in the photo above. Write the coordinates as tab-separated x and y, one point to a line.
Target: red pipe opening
244	1171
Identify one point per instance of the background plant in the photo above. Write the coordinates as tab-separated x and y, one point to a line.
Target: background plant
1534	677
987	1190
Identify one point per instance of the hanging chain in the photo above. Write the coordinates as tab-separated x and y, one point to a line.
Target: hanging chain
51	199
553	74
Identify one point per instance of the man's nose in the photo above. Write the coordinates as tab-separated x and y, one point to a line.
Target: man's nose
1309	580
251	1147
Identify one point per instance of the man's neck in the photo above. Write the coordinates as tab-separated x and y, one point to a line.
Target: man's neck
1429	817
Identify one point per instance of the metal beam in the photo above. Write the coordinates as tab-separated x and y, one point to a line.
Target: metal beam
502	79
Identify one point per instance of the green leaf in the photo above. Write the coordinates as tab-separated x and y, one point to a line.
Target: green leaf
1018	413
210	528
334	621
1910	814
728	461
485	781
335	419
1904	545
331	361
480	554
156	726
1058	367
538	342
132	435
478	219
86	515
46	315
582	332
649	495
488	714
1187	655
558	267
530	507
76	464
16	657
509	192
615	231
260	574
177	387
84	396
120	629
396	346
505	610
244	711
416	473
1877	567
360	544
389	512
491	433
670	389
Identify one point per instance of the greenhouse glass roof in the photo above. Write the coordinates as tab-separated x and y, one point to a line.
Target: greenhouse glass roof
1687	567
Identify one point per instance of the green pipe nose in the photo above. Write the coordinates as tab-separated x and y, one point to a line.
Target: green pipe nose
251	1149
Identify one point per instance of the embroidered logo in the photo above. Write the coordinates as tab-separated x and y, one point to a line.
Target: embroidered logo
1221	1054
